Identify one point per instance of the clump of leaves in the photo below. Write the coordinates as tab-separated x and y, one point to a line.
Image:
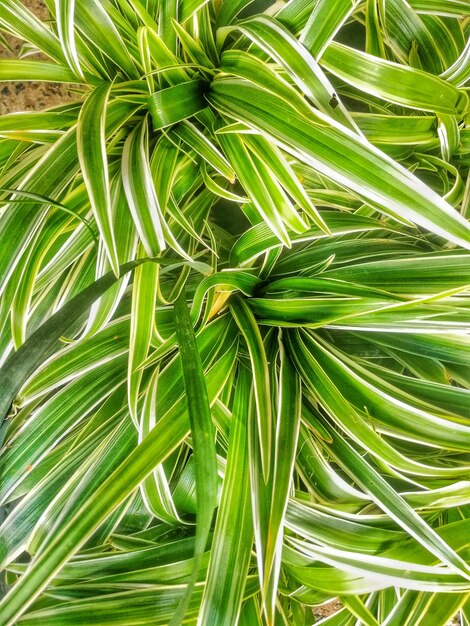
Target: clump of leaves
235	314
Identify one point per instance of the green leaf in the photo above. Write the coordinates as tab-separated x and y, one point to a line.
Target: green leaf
201	144
459	72
388	500
160	442
140	191
374	35
324	22
28	357
35	71
397	129
359	610
301	66
233	535
257	185
441	7
308	166
54	420
280	169
65	10
230	9
93	20
343	157
250	331
19	21
406	32
287	430
177	103
400	84
91	146
202	434
144	295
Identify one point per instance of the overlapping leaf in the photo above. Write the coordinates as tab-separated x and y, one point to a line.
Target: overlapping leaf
299	431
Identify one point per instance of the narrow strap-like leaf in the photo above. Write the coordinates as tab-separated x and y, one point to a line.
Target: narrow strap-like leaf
233	536
28	357
169	12
144	295
20	21
400	84
203	438
94	21
274	39
250	330
391	502
177	103
324	22
65	11
230	9
352	161
140	191
256	184
91	145
459	72
160	442
287	431
35	70
201	144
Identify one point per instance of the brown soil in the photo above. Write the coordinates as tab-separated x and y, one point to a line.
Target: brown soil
29	96
325	610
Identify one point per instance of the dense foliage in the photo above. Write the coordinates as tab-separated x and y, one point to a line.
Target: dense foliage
235	313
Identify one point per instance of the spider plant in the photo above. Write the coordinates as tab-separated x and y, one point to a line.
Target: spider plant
234	278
